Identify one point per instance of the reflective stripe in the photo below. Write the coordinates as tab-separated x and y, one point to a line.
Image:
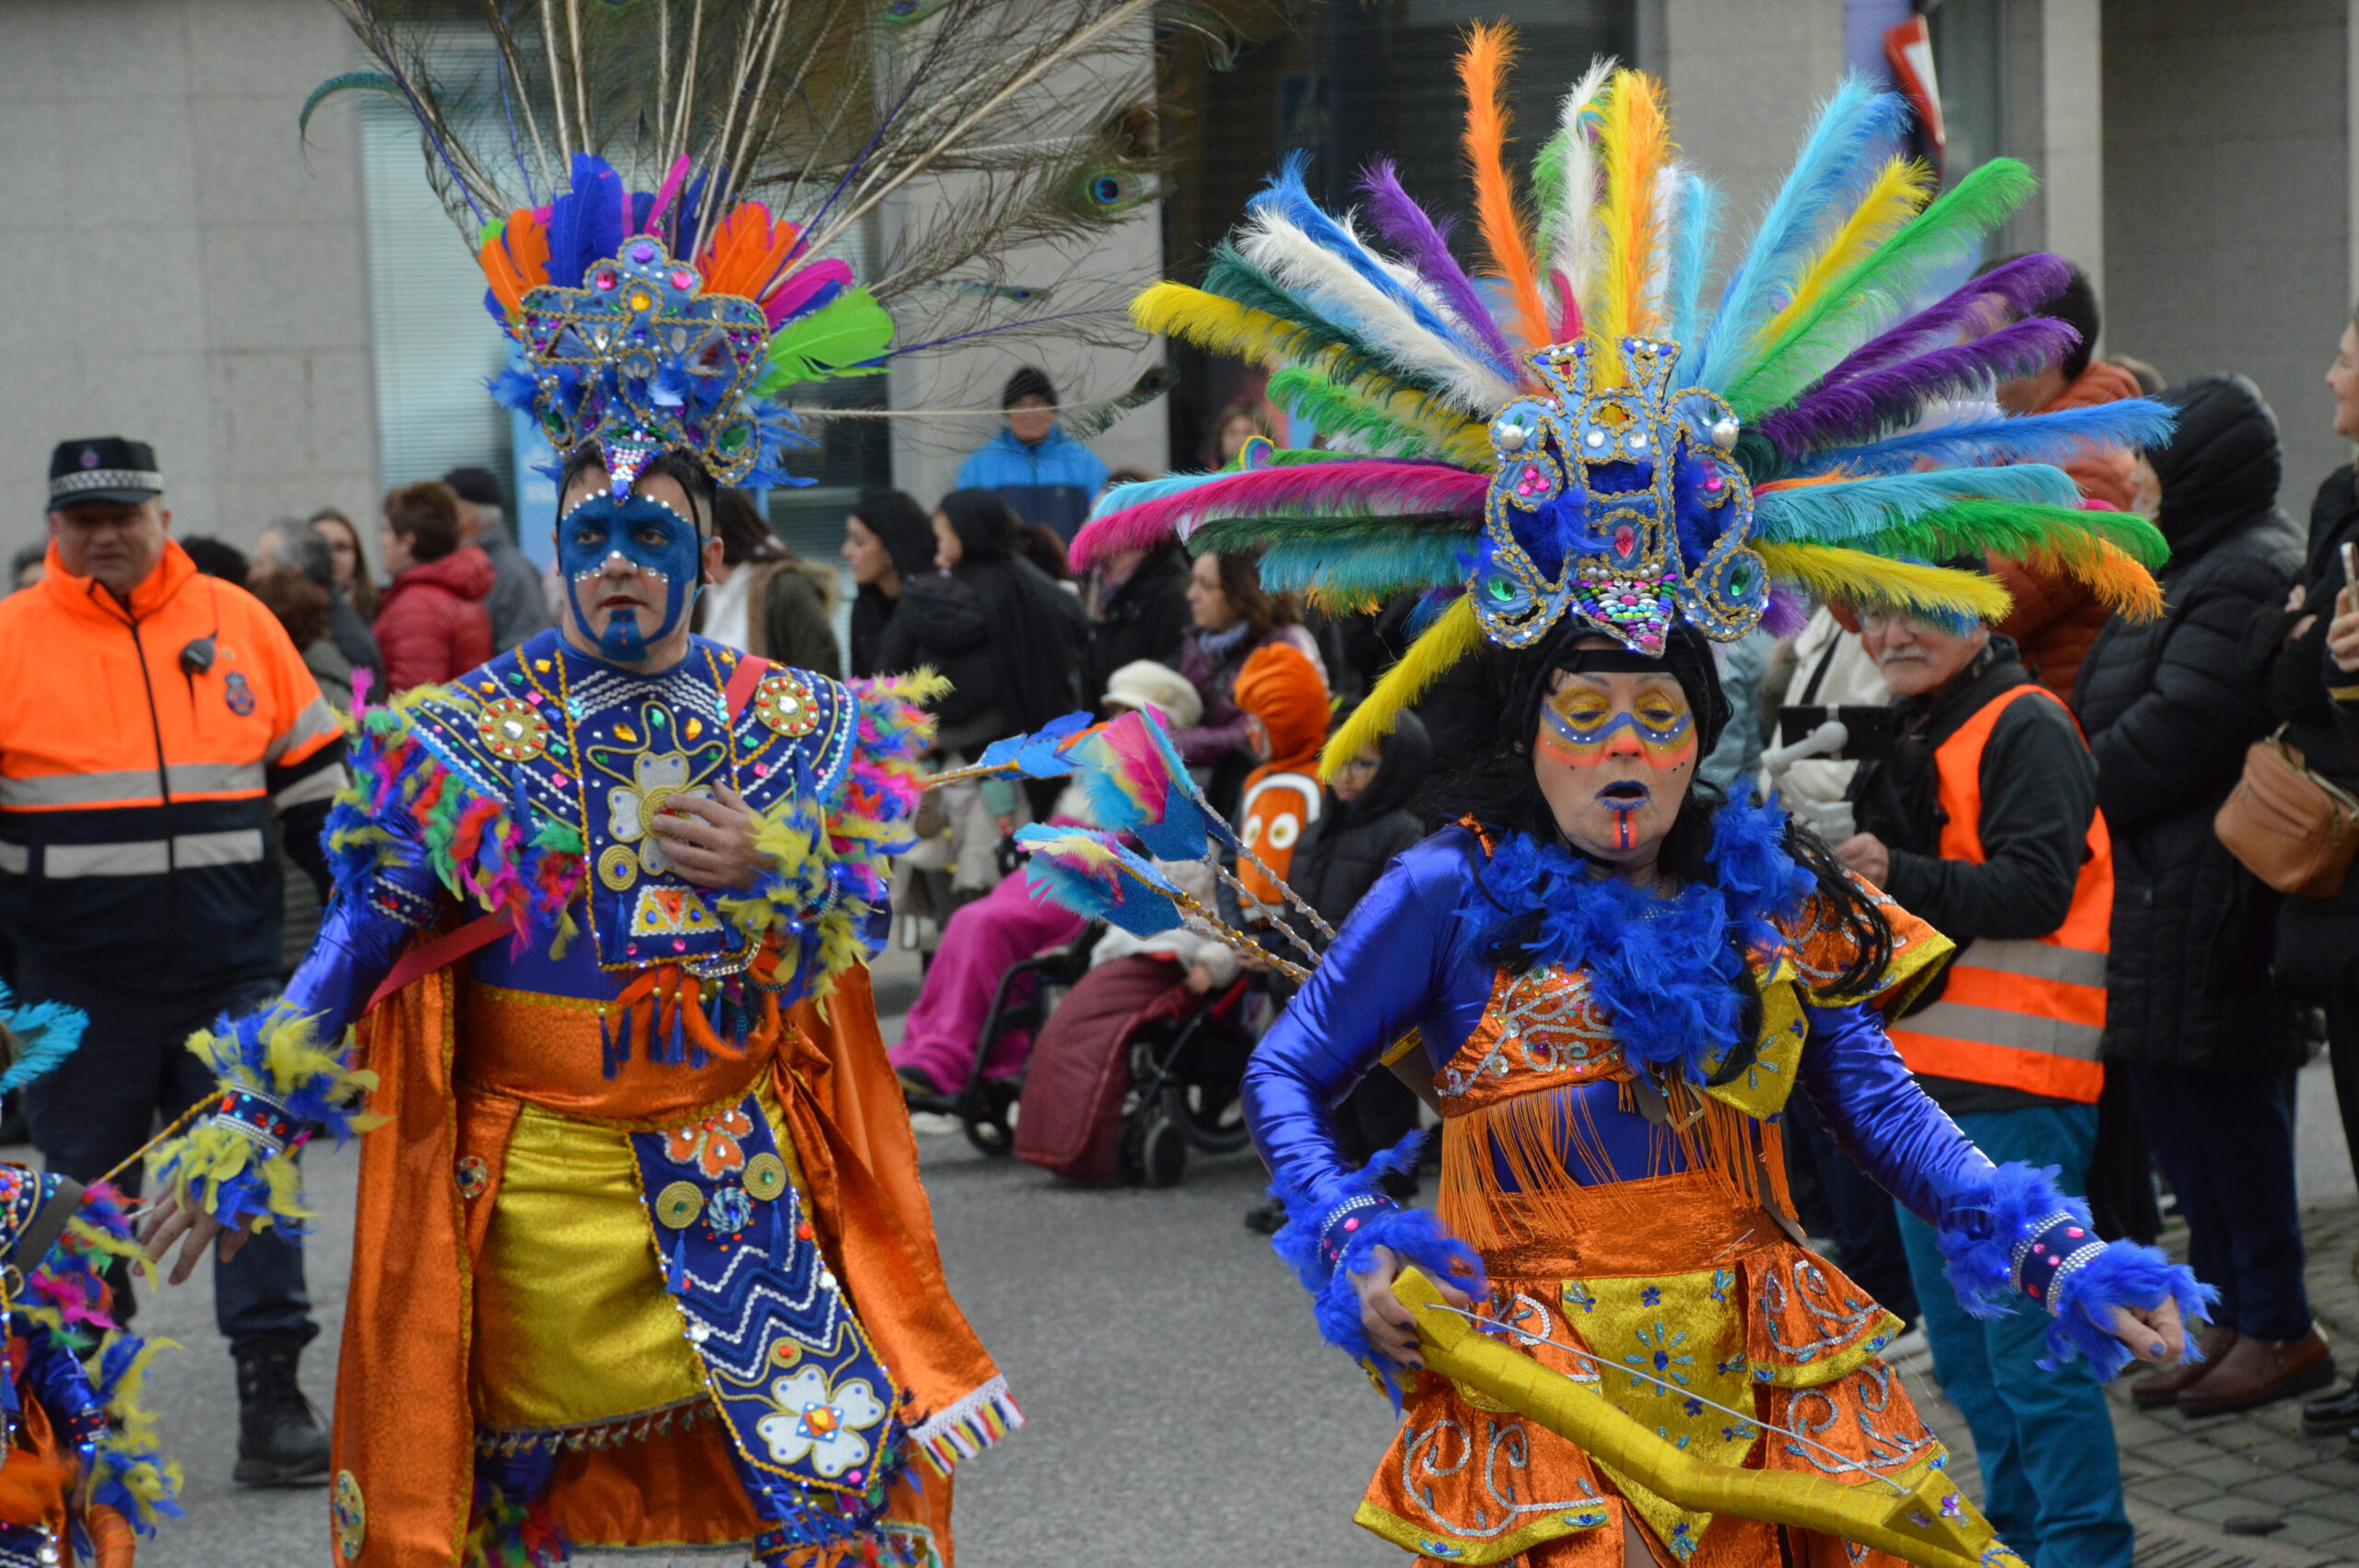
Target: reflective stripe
1972	986
320	786
2017	1031
148	857
2034	1072
132	787
317	719
15	859
2040	960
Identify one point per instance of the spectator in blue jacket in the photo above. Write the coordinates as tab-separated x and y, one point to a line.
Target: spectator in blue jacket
1042	473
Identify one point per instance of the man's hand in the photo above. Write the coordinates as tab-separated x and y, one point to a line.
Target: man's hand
1865	854
2154	1334
169	1222
710	838
1392	1329
2342	632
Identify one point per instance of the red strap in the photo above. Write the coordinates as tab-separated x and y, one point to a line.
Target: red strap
742	682
447	948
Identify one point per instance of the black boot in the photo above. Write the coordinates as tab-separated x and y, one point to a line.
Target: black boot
279	1440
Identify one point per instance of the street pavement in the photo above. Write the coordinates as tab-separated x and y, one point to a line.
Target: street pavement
1182	1411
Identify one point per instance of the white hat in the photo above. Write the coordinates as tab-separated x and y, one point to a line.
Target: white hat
1143	682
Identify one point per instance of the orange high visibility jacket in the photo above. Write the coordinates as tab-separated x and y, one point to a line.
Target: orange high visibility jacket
2027	1013
141	753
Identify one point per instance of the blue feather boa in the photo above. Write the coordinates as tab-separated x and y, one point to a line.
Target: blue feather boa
1415	1235
1665	969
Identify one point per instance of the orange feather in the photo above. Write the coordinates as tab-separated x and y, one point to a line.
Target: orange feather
1635	145
516	260
746	252
1482	69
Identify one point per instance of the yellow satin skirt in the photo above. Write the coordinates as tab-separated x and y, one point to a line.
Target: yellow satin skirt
573	1329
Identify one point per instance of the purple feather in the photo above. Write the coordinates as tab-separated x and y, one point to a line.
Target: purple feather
1422	241
1865	406
586	223
2003	294
1786	614
1365	487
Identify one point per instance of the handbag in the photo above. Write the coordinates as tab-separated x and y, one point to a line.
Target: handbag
2291	828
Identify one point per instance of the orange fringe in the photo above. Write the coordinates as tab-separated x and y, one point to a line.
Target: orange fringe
1544	1155
1482	69
516	260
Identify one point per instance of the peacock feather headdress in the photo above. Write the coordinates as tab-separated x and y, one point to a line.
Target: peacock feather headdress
604	164
1576	433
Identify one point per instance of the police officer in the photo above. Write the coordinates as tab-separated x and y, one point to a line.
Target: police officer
153	721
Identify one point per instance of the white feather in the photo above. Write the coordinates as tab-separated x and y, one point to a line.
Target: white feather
1571	230
1302	265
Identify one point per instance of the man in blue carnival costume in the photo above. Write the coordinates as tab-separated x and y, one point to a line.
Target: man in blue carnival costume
1609	977
642	1259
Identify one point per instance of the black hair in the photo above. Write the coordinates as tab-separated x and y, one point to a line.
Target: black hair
901	525
1500	791
746	532
217	557
2075	306
984	524
683	469
1028	382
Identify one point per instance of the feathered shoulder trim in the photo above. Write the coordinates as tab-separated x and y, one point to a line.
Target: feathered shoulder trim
1822	950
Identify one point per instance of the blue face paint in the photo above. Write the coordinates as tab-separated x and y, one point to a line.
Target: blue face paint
652	537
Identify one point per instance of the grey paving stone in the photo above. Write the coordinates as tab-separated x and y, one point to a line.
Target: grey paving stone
2314	1531
2219	1510
2225	1469
2290	1490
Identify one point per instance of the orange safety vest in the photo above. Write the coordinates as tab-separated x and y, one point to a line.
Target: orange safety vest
2022	1014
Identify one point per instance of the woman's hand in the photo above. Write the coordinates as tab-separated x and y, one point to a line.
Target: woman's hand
710	838
171	1221
2342	632
1392	1329
2154	1334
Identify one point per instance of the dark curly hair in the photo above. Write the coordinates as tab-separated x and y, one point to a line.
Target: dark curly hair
1499	790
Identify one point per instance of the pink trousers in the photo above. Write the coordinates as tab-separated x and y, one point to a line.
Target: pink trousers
1003	926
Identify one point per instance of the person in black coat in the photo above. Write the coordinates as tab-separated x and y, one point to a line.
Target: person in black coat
1007	637
889	542
2169	706
1364	822
1138	609
2316	695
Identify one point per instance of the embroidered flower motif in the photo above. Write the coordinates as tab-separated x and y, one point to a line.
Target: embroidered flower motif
827	1424
1580	1295
715	1145
631	808
1650	1296
1693	1406
1657	1358
1723	1280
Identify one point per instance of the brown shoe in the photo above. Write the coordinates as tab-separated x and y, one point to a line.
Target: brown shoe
2256	1372
2160	1391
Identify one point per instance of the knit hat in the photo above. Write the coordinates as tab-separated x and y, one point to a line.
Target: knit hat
1143	682
1284	689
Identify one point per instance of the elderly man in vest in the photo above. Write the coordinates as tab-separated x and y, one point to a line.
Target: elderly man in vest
1985	821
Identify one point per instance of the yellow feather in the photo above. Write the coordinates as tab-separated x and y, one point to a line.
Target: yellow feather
1241	332
1634	144
1832	572
1439	646
1900	189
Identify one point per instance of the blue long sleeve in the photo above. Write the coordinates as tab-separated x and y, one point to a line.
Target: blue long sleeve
1871	1103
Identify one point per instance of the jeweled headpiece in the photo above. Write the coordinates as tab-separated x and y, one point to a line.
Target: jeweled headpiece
1586	436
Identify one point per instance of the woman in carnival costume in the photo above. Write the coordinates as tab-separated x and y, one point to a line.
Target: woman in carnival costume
1613	976
643	1259
80	1474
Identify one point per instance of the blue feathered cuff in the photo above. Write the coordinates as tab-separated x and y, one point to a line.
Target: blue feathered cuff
2019	1237
278	1085
1326	1244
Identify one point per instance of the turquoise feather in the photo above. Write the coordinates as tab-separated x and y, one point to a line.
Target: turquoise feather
50	1032
2055	437
1844	512
1690	254
1402	559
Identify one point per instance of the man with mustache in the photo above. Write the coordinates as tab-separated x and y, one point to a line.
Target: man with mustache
1985	821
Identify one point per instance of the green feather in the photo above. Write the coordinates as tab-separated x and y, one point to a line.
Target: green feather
834	340
1879	287
2013	528
371	81
1339	410
1548	182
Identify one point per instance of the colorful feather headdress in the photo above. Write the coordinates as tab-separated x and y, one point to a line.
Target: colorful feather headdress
1578	435
676	314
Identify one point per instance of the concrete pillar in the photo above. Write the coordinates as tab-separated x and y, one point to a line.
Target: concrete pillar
2052	119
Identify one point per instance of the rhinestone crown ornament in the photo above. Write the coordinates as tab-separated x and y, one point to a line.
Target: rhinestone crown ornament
637	359
1622	506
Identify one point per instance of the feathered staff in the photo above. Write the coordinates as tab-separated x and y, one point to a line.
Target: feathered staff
1094	876
1828	405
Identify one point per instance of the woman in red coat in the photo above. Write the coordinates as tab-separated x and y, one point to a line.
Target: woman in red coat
432	622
